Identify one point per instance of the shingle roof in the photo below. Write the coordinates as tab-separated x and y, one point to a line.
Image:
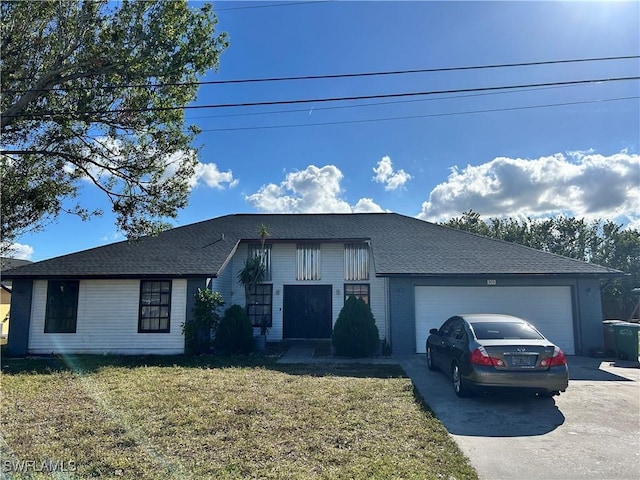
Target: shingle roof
400	245
9	263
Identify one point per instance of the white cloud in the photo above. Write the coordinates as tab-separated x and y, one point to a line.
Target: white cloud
312	190
384	173
209	174
582	184
20	251
204	173
367	205
113	237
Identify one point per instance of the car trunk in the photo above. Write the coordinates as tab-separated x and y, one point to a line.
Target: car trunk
519	355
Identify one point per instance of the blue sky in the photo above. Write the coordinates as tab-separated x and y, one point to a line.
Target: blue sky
456	152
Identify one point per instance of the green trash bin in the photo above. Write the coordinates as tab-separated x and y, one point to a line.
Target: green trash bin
609	334
627	340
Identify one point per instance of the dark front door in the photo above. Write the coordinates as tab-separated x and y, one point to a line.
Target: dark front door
307	311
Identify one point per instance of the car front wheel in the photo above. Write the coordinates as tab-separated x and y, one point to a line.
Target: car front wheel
458	382
430	365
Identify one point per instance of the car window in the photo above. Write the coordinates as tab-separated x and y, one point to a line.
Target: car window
445	330
504	330
457	329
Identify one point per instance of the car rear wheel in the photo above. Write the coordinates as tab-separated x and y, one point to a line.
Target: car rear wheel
430	365
458	382
548	394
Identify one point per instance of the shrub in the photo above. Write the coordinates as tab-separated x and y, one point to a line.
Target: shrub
234	333
197	330
355	333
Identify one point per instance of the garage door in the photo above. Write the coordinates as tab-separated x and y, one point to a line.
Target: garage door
548	308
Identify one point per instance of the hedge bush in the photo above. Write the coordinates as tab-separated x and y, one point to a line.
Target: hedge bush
355	333
234	333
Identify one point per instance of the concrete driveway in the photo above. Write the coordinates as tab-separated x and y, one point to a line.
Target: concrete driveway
592	431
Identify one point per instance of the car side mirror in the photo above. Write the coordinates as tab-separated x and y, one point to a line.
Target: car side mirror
433	331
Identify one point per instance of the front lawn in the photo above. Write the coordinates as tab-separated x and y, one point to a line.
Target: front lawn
176	417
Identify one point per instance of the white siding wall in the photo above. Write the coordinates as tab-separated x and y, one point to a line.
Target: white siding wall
379	304
283	270
223	284
108	321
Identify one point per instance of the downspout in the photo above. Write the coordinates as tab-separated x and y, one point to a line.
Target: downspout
387	320
577	325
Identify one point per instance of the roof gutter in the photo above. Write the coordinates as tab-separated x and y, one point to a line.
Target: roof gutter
603	275
108	277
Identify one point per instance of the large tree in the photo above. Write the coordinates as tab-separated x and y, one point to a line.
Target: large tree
600	241
94	91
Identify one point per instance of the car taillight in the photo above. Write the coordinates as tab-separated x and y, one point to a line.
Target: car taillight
558	358
480	357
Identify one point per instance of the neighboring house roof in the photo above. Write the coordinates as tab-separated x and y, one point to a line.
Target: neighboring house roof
400	245
8	264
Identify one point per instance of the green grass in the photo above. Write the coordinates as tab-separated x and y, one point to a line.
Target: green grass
207	417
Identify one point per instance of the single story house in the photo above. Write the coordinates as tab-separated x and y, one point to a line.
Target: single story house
132	297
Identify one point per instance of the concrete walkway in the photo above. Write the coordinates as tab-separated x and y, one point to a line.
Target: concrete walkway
298	354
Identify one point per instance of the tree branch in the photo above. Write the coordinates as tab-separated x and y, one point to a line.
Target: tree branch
70	158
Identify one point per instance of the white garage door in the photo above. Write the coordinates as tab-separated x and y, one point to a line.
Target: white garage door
548	308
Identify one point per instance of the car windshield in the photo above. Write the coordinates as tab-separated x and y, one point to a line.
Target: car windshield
504	330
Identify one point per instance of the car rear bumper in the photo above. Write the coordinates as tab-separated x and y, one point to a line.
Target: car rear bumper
556	379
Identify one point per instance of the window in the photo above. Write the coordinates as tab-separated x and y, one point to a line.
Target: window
308	262
445	330
356	261
358	290
505	330
259	305
457	330
62	307
256	250
155	305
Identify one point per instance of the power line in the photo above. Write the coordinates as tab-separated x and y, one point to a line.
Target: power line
419	70
249	7
410	117
373	104
323	100
333	76
470	112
